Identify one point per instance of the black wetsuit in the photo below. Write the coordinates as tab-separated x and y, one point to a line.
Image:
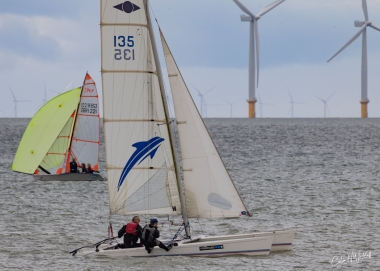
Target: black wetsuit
151	234
73	167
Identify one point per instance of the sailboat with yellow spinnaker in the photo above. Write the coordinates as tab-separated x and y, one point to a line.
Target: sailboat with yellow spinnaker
66	127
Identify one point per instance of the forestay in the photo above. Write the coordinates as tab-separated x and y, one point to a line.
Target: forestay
140	164
42	136
209	190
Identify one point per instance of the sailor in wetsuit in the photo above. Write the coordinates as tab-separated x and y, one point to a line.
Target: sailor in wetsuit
73	166
83	167
132	232
150	234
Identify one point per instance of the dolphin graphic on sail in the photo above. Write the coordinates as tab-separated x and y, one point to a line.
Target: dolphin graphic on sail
143	150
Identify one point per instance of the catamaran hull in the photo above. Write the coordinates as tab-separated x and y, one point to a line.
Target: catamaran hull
282	240
69	177
253	246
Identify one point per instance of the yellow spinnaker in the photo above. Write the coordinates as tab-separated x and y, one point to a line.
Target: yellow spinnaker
43	130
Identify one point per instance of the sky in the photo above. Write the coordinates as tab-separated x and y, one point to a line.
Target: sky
50	44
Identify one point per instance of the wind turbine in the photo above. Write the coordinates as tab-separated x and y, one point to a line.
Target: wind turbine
363	30
261	105
206	107
44	100
292	103
203	102
254	34
16	101
326	107
64	90
231	105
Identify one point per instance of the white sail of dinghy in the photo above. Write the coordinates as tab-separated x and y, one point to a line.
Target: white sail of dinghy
209	190
85	140
139	156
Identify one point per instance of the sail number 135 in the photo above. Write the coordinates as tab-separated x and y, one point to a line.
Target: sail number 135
122	41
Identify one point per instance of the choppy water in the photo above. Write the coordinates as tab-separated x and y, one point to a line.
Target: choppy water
318	176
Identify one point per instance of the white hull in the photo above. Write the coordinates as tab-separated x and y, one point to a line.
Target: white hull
253	246
69	177
282	239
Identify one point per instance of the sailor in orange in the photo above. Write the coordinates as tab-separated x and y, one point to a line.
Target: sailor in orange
132	232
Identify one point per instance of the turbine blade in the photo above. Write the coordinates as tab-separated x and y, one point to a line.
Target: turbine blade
350	41
365	9
68	86
375	27
330	96
198	91
224	100
243	8
55	91
209	90
269	7
257	51
319	98
259	97
12	93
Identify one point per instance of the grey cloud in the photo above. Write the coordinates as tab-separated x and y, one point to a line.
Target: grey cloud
50	8
20	40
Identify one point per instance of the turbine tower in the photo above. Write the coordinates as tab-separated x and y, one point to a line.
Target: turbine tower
363	30
326	107
261	104
16	101
292	103
231	105
254	38
203	102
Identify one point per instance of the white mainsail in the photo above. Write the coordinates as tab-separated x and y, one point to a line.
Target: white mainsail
86	139
140	164
209	190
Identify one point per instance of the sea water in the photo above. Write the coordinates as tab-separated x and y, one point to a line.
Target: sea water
317	176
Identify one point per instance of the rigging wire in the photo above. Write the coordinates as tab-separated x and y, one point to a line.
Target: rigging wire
200	226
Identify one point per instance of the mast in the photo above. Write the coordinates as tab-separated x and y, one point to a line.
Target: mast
74	125
167	116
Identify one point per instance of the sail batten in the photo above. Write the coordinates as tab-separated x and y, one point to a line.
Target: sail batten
209	190
138	145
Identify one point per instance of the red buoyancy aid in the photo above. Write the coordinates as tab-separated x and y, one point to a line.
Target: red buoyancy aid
131	228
